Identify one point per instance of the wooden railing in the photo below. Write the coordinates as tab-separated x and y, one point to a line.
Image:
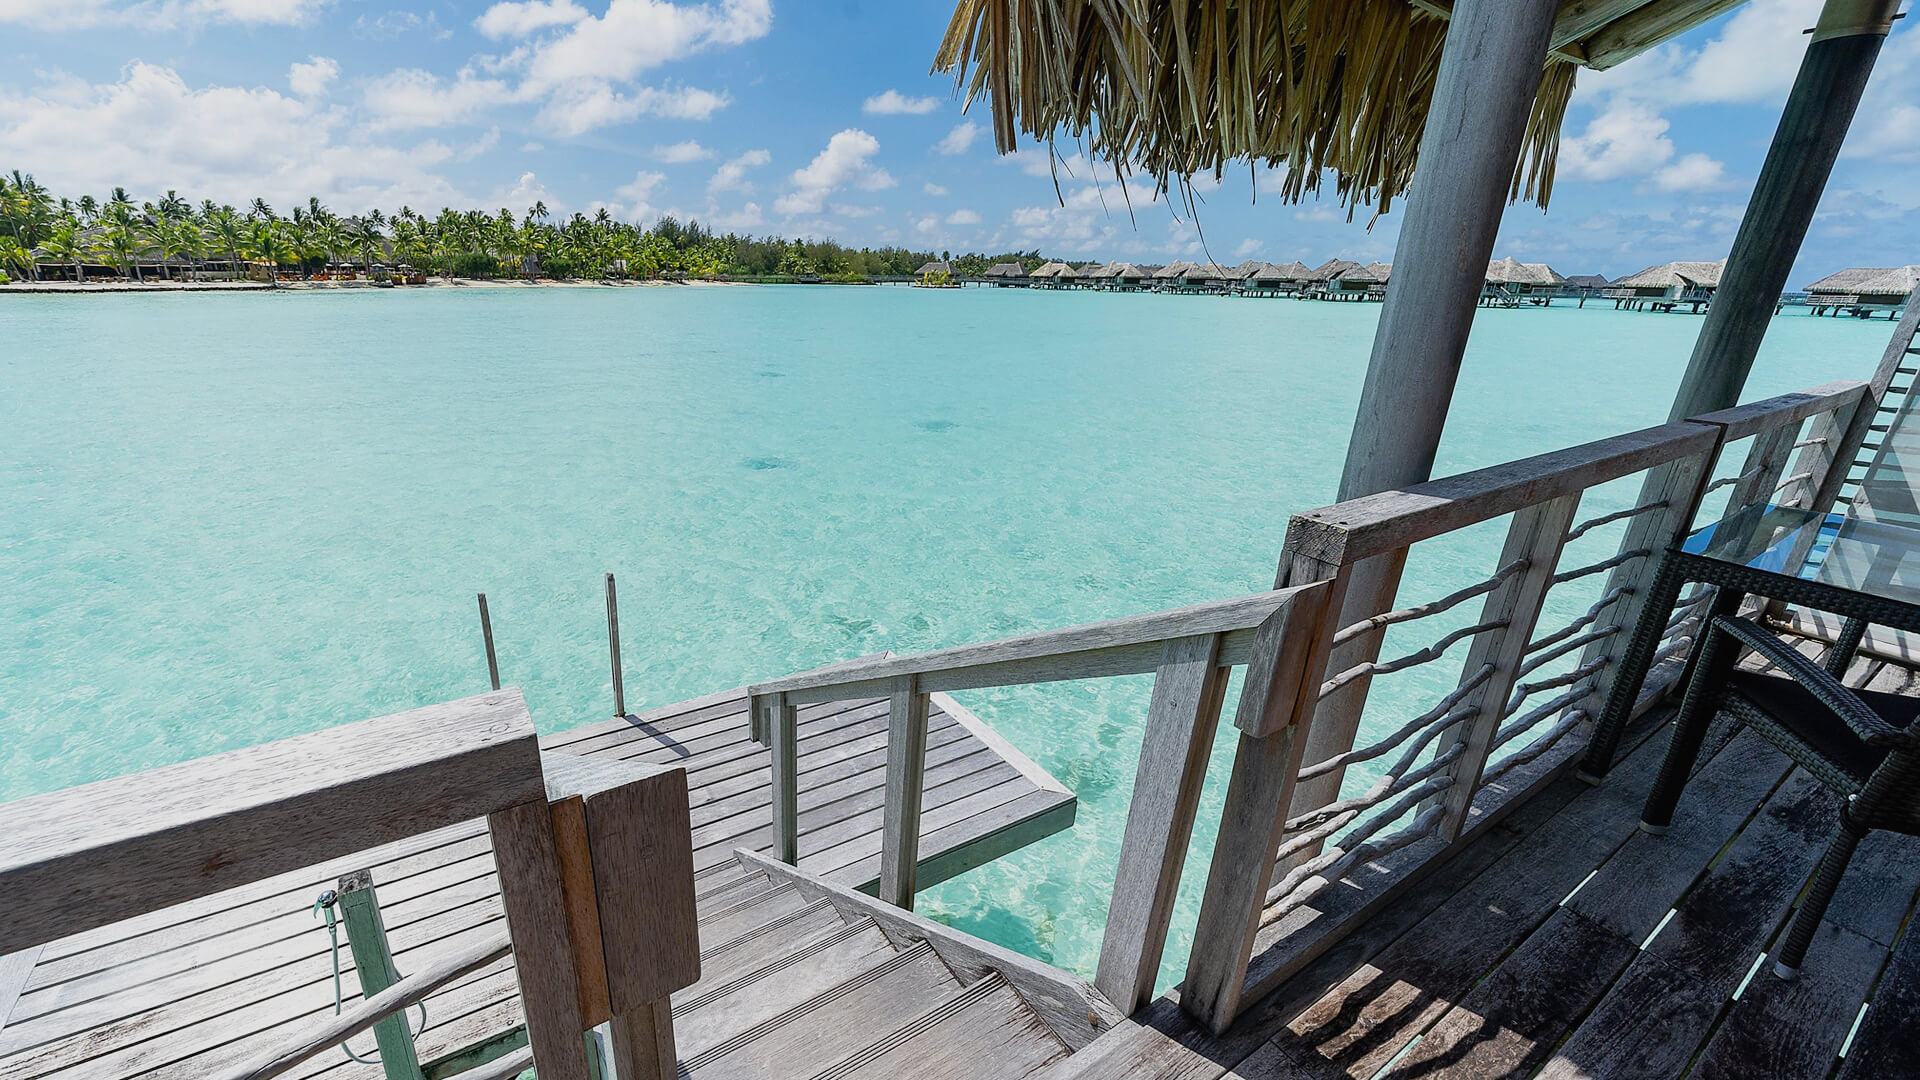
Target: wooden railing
1300	860
90	856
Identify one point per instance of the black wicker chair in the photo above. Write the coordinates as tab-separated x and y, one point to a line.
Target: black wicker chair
1860	743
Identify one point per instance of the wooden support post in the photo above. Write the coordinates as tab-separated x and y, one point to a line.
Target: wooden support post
1361	591
1187	691
906	769
1833	74
1489	72
1273	702
613	647
373	962
1537	534
641	1043
543	958
486	635
1766	461
780	723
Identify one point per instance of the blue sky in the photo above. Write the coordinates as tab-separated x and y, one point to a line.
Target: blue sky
819	117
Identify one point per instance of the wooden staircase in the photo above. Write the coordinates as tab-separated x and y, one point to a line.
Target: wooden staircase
804	979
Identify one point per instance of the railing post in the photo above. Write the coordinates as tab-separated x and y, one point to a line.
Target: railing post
373	963
543	957
1274	704
486	635
1766	461
906	772
1187	690
613	647
1679	484
1362	590
778	724
1536	535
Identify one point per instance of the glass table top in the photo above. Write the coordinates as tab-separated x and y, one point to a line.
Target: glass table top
1873	557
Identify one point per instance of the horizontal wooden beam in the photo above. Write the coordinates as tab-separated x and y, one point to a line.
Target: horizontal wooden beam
1357	529
1647	26
1777	412
87	856
1125	646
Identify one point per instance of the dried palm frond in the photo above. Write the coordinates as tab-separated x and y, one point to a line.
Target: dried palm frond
1181	87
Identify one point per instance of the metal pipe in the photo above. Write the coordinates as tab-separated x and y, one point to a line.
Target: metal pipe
613	645
486	633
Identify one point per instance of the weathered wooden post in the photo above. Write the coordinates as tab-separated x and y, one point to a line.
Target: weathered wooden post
1833	74
486	635
613	648
1489	75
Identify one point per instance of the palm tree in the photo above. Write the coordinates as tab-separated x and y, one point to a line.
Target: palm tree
228	233
15	254
68	244
183	240
267	243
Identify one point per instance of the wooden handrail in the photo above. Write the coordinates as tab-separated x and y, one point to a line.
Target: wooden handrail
1345	533
87	856
401	995
1775	412
1126	646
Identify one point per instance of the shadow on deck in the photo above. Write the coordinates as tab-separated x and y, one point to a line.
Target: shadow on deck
1566	943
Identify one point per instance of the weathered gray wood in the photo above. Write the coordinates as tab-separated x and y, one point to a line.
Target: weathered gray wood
1265	766
781	723
1536	535
87	856
1365	589
1489	70
643	878
1075	1011
1116	647
1369	525
640	1042
906	774
1783	410
1187	693
711	1019
1780	1028
1766	460
486	637
613	650
1647	26
984	1030
400	995
530	891
1883	1047
15	968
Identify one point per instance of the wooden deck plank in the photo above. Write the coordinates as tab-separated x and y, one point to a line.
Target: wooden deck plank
184	991
1883	1046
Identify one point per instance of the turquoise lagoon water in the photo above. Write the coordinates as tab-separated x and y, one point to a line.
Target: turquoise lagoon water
230	518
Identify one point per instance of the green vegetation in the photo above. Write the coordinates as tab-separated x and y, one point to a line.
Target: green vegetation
42	236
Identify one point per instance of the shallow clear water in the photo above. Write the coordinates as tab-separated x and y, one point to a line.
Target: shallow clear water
230	518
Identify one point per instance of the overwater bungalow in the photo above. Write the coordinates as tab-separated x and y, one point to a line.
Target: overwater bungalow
1649	812
1863	291
1006	274
1047	273
1351	281
1124	276
1669	287
1284	279
1510	283
1172	276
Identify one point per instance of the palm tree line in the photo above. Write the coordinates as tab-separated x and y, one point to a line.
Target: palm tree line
173	237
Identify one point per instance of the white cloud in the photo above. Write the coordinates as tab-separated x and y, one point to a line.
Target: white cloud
848	210
732	175
312	77
1692	172
963	217
220	142
846	161
529	16
1626	139
1887	127
1754	57
935	190
156	14
1247	248
525	192
394	24
895	103
634	36
682	152
413	98
747	217
486	142
532	147
959	139
579	107
637	196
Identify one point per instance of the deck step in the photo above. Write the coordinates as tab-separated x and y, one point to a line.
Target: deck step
732	894
729	922
765	944
715	1015
986	1030
834	1023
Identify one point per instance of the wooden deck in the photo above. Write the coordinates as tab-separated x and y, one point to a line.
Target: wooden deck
184	991
1567	944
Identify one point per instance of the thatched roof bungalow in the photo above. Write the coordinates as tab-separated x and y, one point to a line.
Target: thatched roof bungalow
1331	269
1514	276
1174	271
1586	282
1006	273
1870	284
1675	279
1116	274
934	267
1047	270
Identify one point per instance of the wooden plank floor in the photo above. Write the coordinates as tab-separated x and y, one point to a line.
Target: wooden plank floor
185	991
1567	943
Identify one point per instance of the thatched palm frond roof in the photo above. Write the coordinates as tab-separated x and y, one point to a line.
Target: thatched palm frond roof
1900	281
1511	271
1873	280
1667	275
1340	86
1049	269
1006	270
934	267
1331	269
1176	269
